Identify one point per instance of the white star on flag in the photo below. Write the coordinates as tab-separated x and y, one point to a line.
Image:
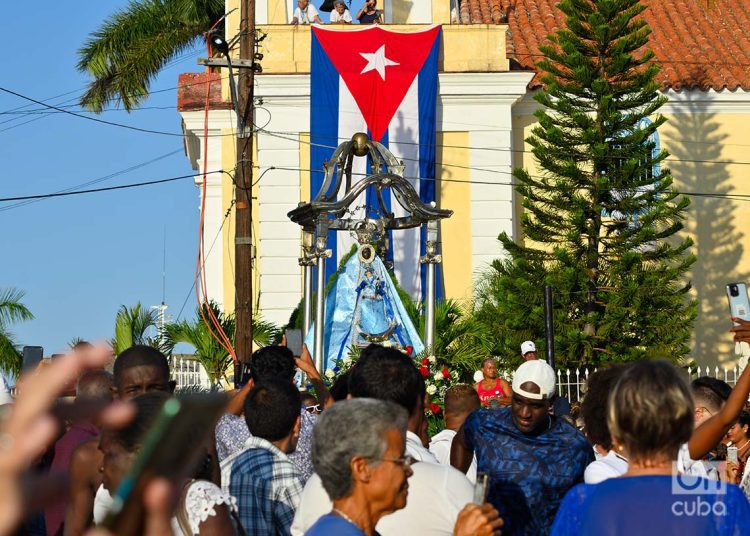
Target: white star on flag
376	61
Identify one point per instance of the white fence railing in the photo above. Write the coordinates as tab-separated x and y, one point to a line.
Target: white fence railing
189	373
572	383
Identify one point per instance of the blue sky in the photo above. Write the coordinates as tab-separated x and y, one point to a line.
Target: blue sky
79	258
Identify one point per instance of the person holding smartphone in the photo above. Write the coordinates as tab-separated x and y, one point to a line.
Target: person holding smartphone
369	14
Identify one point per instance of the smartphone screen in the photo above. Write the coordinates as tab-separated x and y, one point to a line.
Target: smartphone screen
739	305
182	421
294	341
732	454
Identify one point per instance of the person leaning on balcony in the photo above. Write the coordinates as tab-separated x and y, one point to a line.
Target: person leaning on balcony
650	415
368	14
306	13
340	15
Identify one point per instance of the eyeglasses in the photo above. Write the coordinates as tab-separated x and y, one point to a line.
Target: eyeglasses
317	408
404	461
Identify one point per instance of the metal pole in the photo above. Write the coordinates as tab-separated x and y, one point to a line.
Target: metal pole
548	326
320	301
307	305
243	177
431	259
429	313
307	262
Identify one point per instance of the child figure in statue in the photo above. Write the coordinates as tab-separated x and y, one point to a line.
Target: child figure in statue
373	318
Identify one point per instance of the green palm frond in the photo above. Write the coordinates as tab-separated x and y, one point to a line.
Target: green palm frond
10	357
208	351
11	311
131	326
130	48
11	308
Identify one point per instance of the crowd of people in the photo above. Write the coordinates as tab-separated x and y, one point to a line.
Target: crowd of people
307	13
647	453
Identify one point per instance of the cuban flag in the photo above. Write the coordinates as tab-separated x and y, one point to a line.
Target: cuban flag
384	83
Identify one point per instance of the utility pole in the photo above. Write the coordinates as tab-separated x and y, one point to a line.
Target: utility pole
243	176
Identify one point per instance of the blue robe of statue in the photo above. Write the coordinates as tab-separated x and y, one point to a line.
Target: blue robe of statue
363	307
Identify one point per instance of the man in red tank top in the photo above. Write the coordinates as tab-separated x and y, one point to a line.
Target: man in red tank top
491	387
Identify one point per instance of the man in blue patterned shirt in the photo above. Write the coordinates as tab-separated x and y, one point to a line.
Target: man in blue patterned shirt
532	458
266	484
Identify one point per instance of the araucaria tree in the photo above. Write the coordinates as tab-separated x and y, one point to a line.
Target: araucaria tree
601	216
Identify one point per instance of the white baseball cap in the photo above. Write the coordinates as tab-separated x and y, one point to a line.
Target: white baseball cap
540	374
527	346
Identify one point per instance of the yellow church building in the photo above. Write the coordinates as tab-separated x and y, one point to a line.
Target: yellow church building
485	111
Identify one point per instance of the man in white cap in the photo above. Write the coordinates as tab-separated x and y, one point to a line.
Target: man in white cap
532	457
528	350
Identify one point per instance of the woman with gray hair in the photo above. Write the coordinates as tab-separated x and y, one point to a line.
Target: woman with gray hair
358	452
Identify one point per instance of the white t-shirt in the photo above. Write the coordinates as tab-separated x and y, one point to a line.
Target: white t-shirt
436	496
440	446
346	17
688	466
604	467
415	449
307	16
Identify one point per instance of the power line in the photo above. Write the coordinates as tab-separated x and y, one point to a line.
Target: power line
95	181
105	189
95	119
89	118
502	150
218	233
734	197
44	111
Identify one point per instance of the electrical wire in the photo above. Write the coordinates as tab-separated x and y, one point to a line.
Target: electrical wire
96	119
496	149
210	249
96	190
212	323
97	180
734	197
470	168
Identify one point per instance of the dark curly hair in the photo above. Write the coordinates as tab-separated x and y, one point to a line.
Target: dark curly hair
594	405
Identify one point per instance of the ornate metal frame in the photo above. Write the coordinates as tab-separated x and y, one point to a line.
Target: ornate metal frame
328	209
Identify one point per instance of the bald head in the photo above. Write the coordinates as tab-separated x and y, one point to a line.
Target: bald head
95	385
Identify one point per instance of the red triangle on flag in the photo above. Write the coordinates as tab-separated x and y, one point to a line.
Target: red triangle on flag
378	66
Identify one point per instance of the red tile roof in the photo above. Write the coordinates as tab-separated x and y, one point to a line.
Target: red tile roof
697	46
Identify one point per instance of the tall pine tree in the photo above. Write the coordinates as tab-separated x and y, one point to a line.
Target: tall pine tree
601	216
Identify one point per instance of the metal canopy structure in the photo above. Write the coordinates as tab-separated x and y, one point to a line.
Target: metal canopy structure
329	209
329	205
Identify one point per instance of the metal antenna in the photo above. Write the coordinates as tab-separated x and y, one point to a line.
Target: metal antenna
164	268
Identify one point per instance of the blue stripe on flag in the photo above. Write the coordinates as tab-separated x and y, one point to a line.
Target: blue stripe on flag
372	201
324	128
428	89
